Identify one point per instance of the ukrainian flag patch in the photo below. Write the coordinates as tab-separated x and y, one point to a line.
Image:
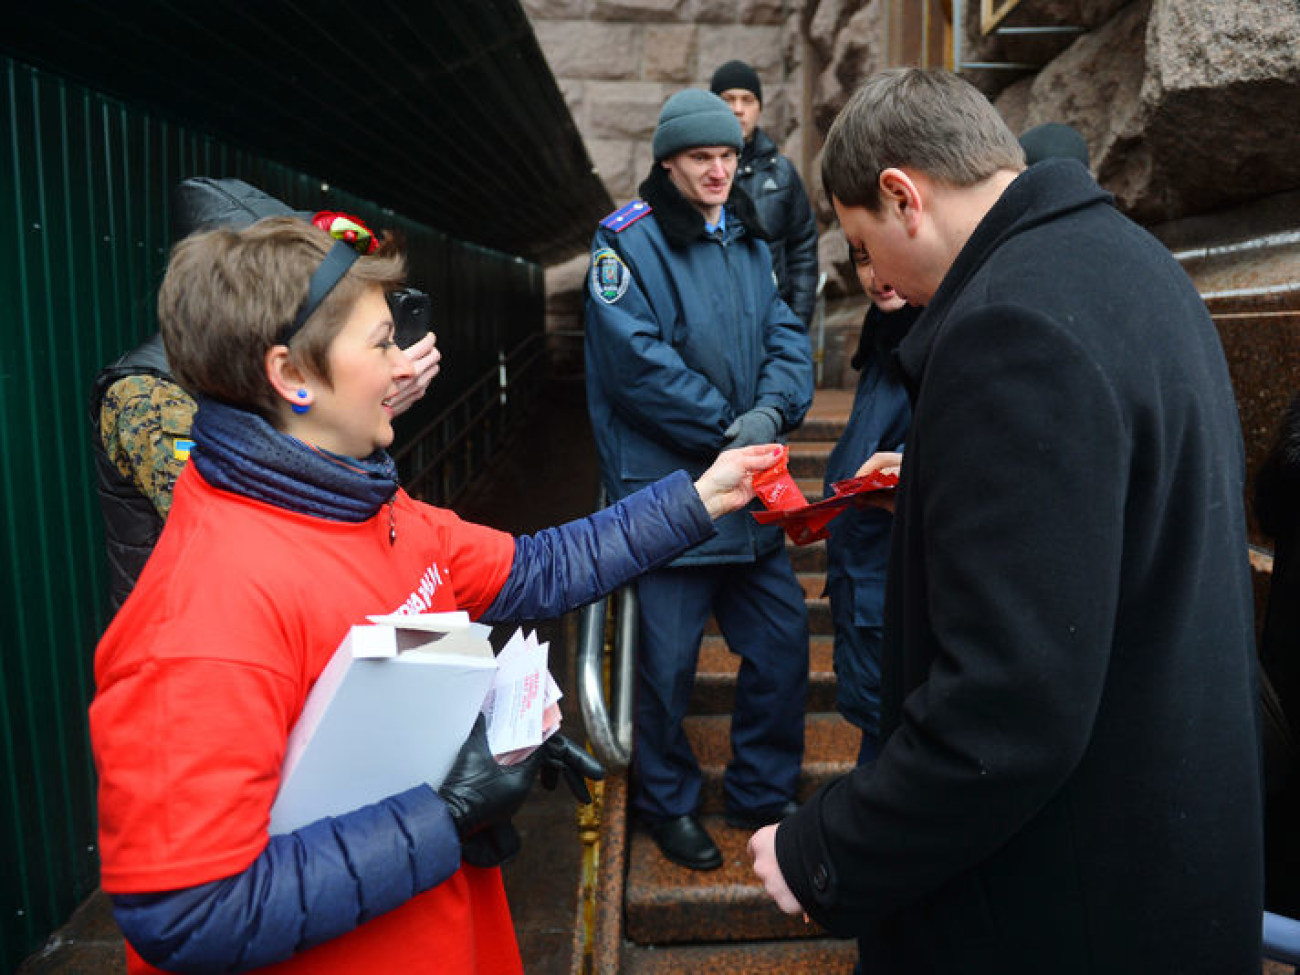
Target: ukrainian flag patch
181	449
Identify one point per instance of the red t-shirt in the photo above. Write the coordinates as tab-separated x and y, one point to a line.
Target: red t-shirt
205	669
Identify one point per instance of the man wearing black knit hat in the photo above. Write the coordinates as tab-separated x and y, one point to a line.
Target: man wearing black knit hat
690	350
773	184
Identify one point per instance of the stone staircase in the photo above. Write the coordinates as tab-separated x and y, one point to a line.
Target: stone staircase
651	916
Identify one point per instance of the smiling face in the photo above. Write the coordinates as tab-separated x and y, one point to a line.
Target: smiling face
746	107
351	415
703	176
882	296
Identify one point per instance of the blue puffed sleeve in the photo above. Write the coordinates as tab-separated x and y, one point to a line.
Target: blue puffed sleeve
562	568
306	887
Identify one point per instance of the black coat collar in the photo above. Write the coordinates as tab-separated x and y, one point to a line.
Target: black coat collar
681	222
758	150
1040	194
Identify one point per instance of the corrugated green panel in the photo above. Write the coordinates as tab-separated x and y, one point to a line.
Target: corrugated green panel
48	603
442	109
84	181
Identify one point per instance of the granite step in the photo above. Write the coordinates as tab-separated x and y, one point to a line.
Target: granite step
808	459
813	488
809	956
827	417
715	678
830	750
668	904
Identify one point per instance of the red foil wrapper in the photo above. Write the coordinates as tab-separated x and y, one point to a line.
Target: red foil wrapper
776	488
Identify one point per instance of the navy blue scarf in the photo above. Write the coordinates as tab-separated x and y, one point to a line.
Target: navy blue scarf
239	451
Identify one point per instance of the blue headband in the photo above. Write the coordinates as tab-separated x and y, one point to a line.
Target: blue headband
330	273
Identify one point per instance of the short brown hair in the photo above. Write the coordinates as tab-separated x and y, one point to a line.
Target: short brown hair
228	295
930	121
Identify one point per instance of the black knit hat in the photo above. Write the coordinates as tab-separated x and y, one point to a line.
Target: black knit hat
736	74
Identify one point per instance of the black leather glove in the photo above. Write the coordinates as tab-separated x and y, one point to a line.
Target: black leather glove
479	792
491	847
494	845
559	754
756	426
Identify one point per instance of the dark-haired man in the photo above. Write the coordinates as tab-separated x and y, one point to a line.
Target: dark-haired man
1069	780
774	185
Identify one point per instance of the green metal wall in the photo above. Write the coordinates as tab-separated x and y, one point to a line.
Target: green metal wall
85	182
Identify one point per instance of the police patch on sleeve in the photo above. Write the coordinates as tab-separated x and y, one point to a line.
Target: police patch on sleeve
609	276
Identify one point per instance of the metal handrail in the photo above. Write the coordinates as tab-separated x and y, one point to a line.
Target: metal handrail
819	326
608	724
477	411
991	16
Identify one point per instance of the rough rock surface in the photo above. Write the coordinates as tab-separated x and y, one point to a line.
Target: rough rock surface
1188	107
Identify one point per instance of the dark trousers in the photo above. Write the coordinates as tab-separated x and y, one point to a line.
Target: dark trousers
760	610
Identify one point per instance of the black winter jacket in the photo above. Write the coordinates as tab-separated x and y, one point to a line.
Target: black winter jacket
1070	782
772	182
131	522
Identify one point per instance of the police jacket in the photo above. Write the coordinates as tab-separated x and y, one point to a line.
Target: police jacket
685	332
131	522
773	183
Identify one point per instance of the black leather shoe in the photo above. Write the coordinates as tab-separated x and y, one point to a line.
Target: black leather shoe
752	819
684	841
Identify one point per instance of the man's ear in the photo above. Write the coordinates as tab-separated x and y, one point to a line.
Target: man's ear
901	194
288	381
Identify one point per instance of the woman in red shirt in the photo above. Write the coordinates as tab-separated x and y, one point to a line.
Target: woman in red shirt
289	527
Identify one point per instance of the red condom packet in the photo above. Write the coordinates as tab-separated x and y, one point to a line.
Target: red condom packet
776	488
805	523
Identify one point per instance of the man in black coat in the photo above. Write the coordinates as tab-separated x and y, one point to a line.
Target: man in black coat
1070	781
773	183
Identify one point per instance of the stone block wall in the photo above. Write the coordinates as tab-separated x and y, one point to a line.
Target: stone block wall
617	61
1188	108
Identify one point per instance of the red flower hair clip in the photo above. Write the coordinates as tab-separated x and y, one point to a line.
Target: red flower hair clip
347	228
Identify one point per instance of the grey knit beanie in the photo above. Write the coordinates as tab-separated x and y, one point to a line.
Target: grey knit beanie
695	118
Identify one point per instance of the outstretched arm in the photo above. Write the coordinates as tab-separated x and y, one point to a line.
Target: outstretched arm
562	568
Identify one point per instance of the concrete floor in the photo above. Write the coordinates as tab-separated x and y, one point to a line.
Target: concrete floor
546	475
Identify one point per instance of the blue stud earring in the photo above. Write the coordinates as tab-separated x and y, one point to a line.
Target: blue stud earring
300	407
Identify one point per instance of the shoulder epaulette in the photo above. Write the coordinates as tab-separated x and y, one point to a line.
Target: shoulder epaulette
626	215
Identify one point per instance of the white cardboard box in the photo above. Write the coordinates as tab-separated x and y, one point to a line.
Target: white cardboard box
389	712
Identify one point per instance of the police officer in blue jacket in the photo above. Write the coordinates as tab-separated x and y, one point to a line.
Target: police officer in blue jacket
690	350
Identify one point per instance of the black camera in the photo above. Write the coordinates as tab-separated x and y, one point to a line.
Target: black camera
412	315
